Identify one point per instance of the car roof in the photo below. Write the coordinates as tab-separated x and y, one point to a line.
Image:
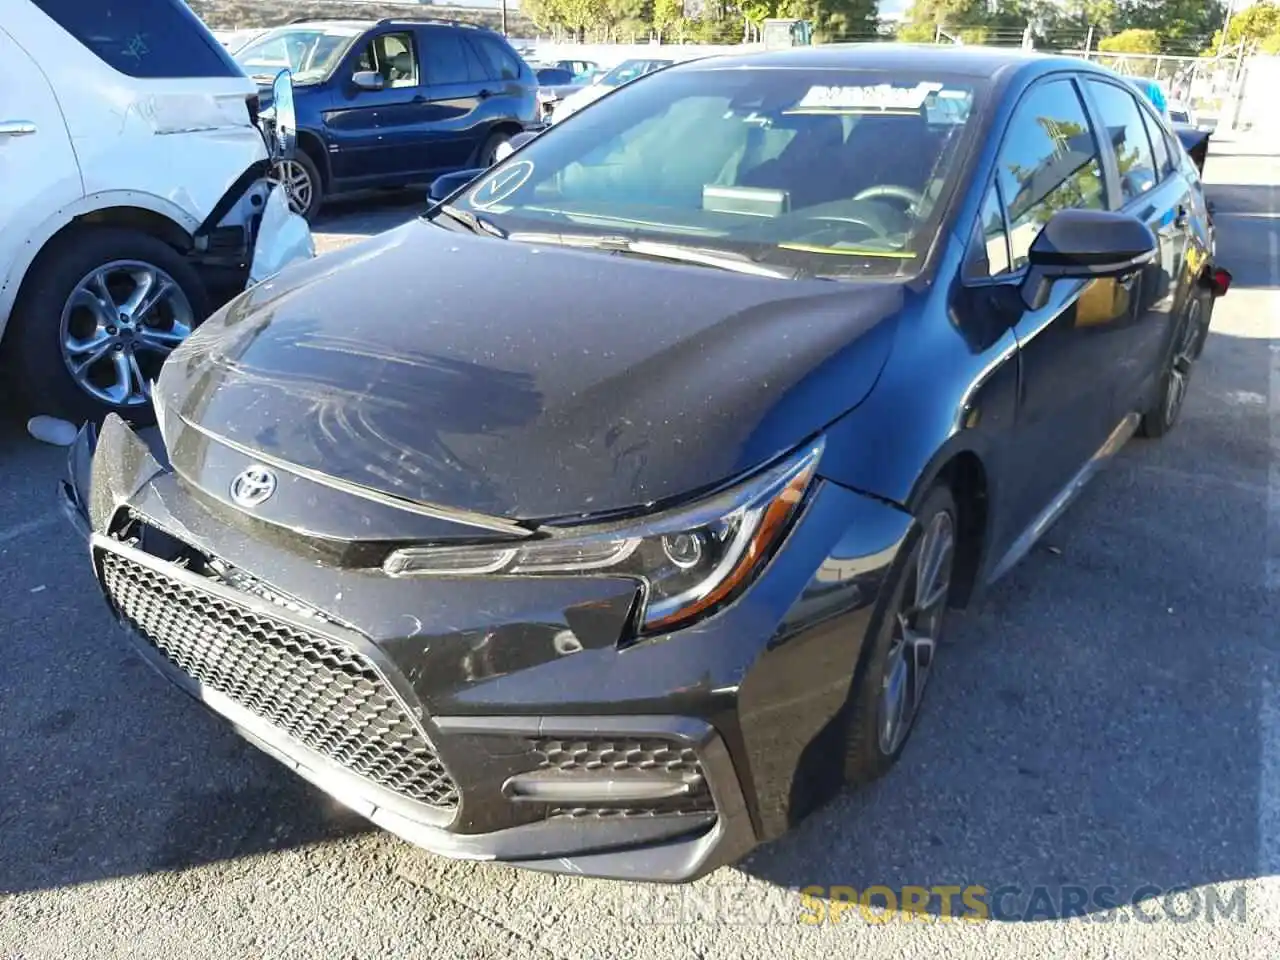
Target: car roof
952	59
346	25
343	26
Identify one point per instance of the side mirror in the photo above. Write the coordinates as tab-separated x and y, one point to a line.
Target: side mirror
1085	244
284	125
368	80
443	186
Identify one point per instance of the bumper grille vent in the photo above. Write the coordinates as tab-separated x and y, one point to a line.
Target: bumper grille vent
320	691
601	756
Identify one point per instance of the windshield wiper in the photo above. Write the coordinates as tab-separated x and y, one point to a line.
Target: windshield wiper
661	250
472	222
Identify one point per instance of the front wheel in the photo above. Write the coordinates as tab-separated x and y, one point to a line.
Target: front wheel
300	180
98	315
889	687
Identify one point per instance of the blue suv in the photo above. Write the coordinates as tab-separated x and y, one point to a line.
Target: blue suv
392	102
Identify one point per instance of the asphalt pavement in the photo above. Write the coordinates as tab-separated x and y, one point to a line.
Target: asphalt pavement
1109	720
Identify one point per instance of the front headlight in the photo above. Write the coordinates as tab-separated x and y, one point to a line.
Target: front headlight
691	560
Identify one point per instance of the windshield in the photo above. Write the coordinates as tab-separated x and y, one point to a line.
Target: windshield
833	173
310	53
629	70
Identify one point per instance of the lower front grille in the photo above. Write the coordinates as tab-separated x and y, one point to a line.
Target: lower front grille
319	690
597	756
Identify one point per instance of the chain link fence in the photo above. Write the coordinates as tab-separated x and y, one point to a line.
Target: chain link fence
1205	85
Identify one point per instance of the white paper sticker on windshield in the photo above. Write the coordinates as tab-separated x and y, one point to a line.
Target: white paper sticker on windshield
880	96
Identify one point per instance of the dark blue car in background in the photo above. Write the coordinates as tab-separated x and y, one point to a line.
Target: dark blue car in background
392	102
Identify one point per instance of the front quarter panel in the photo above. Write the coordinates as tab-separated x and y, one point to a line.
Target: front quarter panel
945	390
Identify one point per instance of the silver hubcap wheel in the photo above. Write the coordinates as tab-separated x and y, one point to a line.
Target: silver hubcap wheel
916	626
292	177
117	327
1180	368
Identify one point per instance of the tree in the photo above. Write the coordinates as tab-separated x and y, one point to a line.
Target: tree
1100	14
1256	25
666	13
581	15
755	12
925	17
834	19
545	14
1171	19
1131	41
631	16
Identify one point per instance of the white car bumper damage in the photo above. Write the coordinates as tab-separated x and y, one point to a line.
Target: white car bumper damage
283	238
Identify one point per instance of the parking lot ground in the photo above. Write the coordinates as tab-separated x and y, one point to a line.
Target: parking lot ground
1109	718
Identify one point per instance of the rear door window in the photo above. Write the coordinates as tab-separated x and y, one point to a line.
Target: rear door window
478	66
1122	121
445	57
1163	157
501	59
148	39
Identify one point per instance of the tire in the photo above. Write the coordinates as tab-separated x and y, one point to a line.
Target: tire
486	156
304	187
1162	416
867	754
1202	337
45	321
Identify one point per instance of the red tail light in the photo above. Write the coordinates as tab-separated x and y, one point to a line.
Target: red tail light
1220	282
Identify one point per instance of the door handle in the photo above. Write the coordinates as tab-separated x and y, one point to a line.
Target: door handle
486	94
16	128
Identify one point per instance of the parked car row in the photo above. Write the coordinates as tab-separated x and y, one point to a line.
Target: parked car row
391	102
635	533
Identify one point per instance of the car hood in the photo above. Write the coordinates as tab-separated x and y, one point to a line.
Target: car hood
521	381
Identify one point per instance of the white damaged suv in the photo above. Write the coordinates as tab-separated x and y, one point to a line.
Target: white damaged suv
136	196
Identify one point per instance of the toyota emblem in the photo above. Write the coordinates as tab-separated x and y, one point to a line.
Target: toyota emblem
253	486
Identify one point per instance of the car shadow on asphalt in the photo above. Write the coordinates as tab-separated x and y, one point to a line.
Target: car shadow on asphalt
370	211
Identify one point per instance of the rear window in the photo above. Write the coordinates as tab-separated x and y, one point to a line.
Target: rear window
144	38
501	60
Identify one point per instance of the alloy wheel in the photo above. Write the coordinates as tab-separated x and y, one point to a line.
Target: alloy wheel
1180	365
916	626
293	178
118	326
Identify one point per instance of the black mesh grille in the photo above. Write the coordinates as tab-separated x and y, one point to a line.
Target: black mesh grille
318	690
619	754
603	755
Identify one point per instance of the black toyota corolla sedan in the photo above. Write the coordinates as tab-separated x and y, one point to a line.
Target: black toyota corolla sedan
606	519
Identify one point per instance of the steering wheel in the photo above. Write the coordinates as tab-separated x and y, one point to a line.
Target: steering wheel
831	221
913	198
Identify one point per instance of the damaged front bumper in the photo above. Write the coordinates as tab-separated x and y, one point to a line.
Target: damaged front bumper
496	721
513	776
